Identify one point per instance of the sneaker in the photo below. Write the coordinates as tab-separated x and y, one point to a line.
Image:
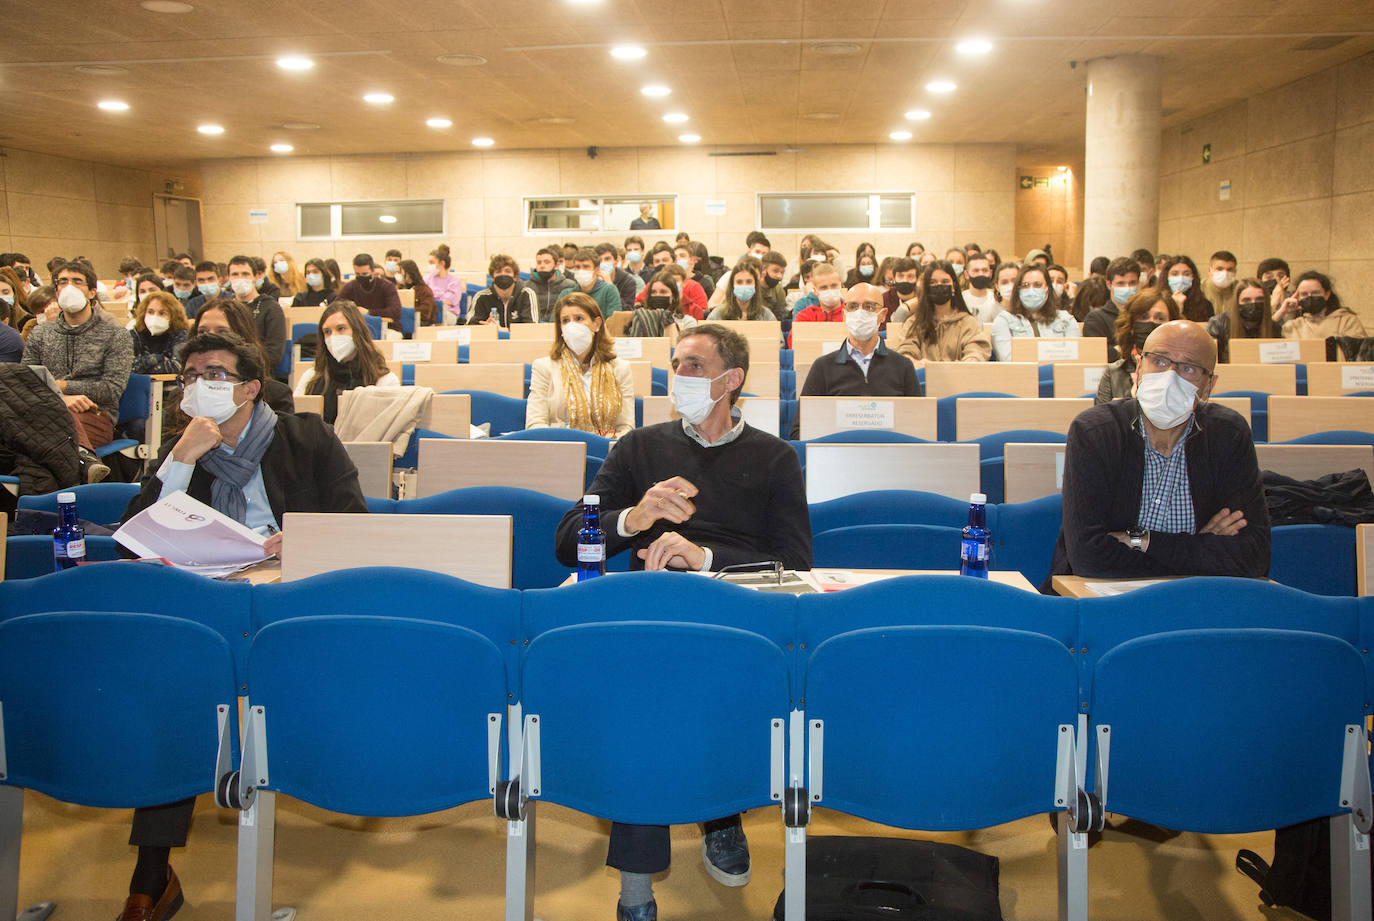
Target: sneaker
725	852
646	912
92	469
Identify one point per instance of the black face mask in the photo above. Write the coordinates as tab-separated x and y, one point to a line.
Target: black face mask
1252	313
545	274
905	288
940	294
1313	303
658	301
1269	285
504	282
981	282
1141	332
770	282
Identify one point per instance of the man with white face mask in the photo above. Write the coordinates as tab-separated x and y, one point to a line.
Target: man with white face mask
267	313
253	464
90	357
701	492
1165	484
863	365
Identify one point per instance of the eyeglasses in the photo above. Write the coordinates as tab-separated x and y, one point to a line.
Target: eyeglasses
1185	369
866	305
209	374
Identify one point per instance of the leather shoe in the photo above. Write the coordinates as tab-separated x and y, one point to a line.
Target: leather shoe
142	908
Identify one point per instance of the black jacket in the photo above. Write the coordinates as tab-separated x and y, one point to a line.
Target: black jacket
1101	321
37	437
836	374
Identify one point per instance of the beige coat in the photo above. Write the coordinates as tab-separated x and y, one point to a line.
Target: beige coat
959	337
1338	322
548	408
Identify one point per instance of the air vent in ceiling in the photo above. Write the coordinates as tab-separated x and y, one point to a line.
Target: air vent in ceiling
461	60
744	153
1321	42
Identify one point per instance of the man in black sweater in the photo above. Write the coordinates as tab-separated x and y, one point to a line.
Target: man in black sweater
1123	278
1165	484
863	365
699	493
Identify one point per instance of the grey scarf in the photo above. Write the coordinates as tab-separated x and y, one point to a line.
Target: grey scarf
232	472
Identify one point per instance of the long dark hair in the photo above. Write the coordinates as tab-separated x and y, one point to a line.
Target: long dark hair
1196	307
368	362
240	321
922	322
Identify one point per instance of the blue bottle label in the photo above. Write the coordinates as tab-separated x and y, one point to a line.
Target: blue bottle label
973	551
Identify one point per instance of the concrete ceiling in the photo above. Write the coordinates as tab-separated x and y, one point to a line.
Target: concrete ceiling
746	72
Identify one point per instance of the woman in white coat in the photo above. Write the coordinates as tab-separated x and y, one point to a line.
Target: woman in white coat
581	384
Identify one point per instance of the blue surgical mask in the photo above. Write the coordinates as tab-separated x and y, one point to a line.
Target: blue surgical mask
744	293
1122	295
258	282
392	266
182	295
866	271
8	299
686	266
634	256
1180	283
958	269
1032	298
208	289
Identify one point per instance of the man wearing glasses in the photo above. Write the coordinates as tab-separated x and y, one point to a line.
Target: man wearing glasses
1165	483
863	365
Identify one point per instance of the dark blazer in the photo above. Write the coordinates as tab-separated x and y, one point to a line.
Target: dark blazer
836	374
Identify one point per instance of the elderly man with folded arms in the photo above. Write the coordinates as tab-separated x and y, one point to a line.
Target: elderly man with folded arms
1164	483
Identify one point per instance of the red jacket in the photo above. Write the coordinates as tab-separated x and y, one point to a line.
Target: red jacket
817	313
693	299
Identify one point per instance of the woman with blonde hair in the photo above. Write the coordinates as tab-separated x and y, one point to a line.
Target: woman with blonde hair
345	358
159	332
282	272
581	384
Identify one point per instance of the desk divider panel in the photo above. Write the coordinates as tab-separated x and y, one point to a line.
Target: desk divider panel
979	416
476	548
1271	378
909	415
1336	378
1277	351
556	468
1292	417
1046	349
948	378
945	469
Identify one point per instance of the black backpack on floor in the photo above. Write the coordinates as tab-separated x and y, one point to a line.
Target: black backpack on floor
1300	877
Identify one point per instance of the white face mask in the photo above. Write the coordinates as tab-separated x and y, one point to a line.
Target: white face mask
214	399
830	298
1058	289
341	347
241	286
584	277
862	324
1166	399
156	325
279	266
314	279
1005	291
71	299
578	337
1223	279
692	397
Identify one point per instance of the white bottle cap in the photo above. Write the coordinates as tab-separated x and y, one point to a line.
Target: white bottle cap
978	499
66	497
586	500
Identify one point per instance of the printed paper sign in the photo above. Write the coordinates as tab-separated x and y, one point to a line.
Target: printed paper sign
460	334
1277	353
1059	470
629	348
715	207
1057	350
411	351
1360	377
257	217
864	414
1092	378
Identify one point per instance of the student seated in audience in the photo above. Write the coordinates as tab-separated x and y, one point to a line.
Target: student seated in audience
89	356
1004	277
1314	311
409	279
283	273
1150	270
1063	291
207	287
42	308
372	293
692	257
663	313
1165	483
609	270
1247	318
147	283
345	358
261	283
183	286
756	247
701	492
825	303
267	313
1091	294
903	292
506	300
1180	274
581	384
1275	275
254	465
742	300
391	263
692	297
12	317
548	283
980	298
635	263
1098	266
1219	287
956	257
319	285
158	334
772	294
799	292
915	250
817	250
942	329
863	365
1123	283
1142	315
1032	312
228	315
607	296
865	266
447	288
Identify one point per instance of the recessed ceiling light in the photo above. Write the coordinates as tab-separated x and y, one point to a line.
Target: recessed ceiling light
656	89
211	129
387	218
900	135
379	99
821	116
837	48
101	70
1062	169
295	62
628	52
675	118
282	148
973	46
482	142
113	105
917	115
941	86
689	138
461	60
439	123
166	6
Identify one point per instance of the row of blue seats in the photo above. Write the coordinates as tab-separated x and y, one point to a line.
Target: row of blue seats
933	703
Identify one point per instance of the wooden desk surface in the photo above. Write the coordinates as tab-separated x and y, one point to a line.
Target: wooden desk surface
1077	586
1003	577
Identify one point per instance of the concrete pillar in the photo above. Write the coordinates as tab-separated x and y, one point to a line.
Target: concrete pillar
1121	157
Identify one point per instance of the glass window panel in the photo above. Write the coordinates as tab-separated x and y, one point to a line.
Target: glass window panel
808	212
392	218
314	220
895	211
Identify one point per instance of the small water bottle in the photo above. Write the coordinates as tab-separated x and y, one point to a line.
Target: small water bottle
975	548
68	538
591	541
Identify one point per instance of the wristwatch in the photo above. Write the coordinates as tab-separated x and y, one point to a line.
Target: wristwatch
1137	537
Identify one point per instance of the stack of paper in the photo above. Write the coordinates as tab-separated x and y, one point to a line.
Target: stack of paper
191	535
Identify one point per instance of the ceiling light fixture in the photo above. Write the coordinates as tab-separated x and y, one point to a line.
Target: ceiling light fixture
379	99
459	59
439	123
282	148
837	48
166	6
675	118
101	70
821	116
482	142
1062	169
628	52
113	105
973	47
689	138
918	115
387	218
295	62
656	89
211	129
941	86
900	135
